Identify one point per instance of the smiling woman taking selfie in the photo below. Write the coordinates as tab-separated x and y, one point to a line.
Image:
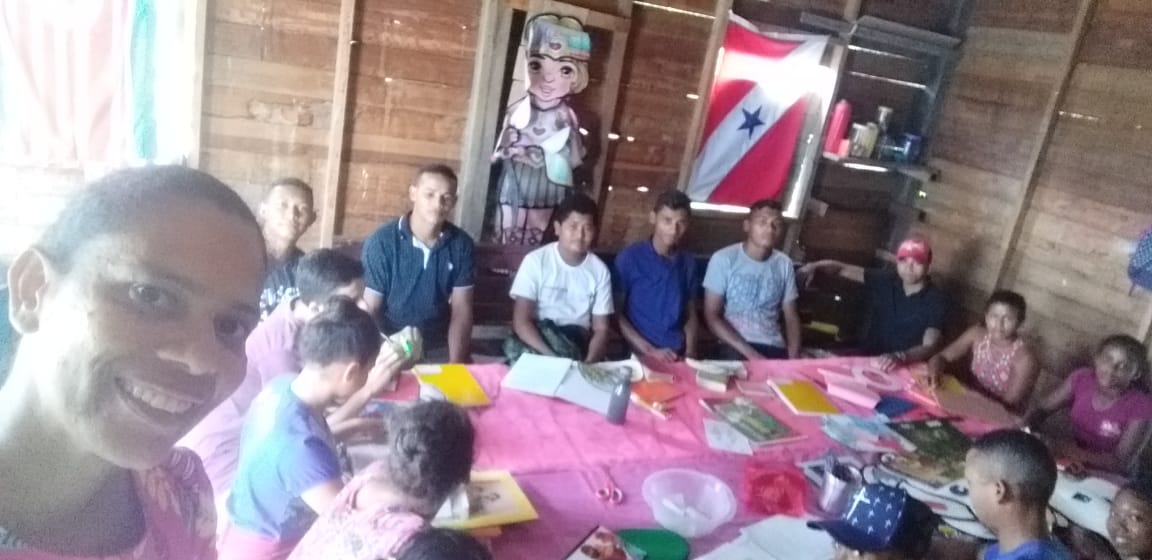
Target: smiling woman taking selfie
132	309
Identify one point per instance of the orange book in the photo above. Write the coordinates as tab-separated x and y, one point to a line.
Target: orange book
804	398
655	392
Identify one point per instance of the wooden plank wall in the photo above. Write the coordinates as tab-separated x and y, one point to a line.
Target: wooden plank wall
412	74
267	104
267	98
654	110
1092	196
988	125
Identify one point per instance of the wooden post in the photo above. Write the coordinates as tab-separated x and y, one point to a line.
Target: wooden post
334	167
1011	235
492	39
703	88
197	29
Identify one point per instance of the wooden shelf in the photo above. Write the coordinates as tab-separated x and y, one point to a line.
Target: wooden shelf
921	173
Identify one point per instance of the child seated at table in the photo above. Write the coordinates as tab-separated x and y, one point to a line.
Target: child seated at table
289	469
1129	527
882	523
1130	520
562	290
1002	363
1011	476
271	351
429	455
1108	405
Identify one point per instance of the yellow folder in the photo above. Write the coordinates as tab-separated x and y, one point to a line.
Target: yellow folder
455	382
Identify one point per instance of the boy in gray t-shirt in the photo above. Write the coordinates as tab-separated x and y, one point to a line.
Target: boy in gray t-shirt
748	286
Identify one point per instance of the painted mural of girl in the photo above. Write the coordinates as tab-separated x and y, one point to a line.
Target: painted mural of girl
540	143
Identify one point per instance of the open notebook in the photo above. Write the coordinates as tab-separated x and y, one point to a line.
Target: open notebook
563	379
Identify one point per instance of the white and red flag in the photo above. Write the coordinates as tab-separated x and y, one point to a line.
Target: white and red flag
755	115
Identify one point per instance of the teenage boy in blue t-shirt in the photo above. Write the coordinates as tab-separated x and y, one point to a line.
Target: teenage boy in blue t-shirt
656	285
289	470
1011	476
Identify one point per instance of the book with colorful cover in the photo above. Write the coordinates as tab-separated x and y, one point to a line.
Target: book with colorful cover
752	421
940	451
868	435
934	437
454	382
804	398
600	544
491	499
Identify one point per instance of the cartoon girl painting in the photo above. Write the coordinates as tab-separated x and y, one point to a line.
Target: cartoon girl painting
540	143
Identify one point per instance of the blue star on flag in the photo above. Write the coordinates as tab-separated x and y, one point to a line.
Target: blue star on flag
751	121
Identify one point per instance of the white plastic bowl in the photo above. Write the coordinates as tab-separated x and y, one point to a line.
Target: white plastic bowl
689	503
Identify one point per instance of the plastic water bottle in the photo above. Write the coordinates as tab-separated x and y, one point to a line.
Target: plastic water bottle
618	406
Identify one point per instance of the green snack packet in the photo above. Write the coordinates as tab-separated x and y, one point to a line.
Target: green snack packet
654	544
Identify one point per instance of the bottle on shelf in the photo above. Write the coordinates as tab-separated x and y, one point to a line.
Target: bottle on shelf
837	126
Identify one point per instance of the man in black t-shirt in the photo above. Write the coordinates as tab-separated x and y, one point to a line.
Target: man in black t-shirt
906	312
285	214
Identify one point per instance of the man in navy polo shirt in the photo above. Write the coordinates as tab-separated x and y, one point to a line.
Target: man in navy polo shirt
656	285
906	311
418	270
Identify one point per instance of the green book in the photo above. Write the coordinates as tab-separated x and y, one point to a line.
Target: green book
753	422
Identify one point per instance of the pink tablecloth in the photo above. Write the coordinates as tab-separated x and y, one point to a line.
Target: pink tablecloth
561	454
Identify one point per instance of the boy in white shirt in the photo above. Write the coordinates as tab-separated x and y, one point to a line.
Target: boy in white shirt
562	291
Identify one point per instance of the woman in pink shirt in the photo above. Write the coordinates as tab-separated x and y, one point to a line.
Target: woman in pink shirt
1108	405
133	308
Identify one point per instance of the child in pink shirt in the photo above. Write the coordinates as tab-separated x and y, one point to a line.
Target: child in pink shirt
429	456
1109	408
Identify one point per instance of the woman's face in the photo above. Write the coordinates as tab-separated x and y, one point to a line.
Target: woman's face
1130	526
1114	371
1001	321
144	335
550	81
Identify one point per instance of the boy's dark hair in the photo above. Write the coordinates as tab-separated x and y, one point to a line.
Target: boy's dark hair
341	332
766	203
1140	486
114	202
430	450
292	183
1022	460
1134	351
324	271
576	203
1011	299
443	544
436	169
674	200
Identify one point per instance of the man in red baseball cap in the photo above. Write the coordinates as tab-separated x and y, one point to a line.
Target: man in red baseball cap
906	312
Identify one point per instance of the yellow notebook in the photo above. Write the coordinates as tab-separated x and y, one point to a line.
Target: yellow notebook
805	398
454	381
492	499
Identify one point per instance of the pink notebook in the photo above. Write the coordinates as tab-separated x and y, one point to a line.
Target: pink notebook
852	391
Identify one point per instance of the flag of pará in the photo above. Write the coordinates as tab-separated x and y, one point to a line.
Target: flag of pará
755	115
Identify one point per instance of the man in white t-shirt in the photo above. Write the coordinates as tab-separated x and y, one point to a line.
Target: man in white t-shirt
748	286
564	285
